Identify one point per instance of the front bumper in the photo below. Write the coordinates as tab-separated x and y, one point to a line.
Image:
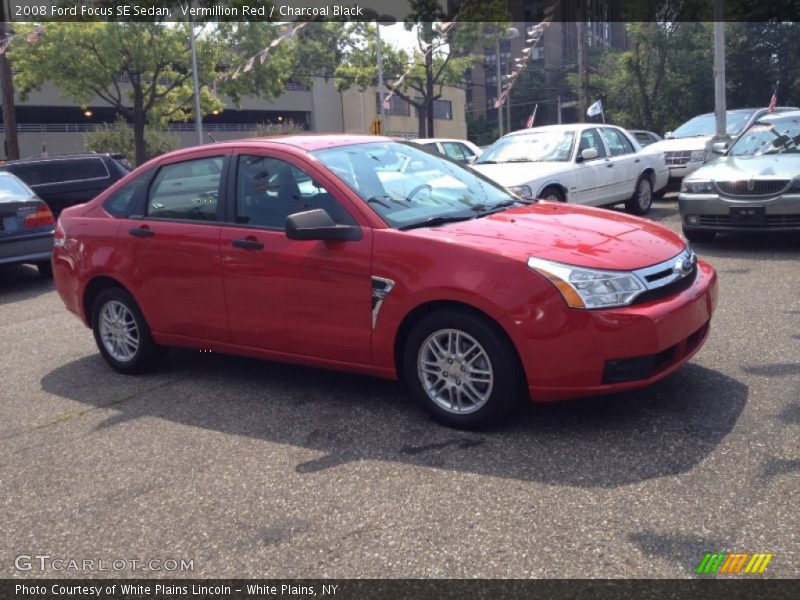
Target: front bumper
579	357
678	172
711	212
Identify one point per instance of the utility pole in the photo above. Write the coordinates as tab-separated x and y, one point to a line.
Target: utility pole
381	91
499	86
583	71
198	116
7	89
719	69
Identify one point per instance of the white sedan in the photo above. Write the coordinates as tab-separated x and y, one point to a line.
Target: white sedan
592	164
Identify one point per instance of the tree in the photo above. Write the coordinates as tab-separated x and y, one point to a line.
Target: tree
441	57
140	69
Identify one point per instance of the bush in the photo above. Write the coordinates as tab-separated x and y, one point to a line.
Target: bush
287	128
117	138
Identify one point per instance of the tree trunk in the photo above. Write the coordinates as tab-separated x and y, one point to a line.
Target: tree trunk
429	92
139	119
421	120
583	71
9	110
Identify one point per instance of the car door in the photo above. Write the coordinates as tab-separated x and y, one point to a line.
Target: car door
303	298
593	176
172	244
625	163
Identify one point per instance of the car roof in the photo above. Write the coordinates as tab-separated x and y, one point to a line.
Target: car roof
432	140
51	157
780	115
562	127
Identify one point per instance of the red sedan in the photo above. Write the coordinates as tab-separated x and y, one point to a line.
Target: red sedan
375	256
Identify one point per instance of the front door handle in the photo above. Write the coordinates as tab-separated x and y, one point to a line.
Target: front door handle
610	165
143	231
249	244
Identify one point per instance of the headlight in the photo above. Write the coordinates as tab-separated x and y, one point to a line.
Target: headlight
697	187
589	288
698	156
523	191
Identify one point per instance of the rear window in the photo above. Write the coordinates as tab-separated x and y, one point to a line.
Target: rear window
11	187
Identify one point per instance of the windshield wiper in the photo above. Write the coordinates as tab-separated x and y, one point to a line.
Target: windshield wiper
485	162
435	221
484	210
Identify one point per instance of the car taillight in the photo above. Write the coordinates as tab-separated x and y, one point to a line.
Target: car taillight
60	236
39	217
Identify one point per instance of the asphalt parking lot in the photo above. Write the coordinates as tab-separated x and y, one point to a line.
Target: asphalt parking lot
255	469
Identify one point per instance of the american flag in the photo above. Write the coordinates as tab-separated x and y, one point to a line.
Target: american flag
532	118
773	102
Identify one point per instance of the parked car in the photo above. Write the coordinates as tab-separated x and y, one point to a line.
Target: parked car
645	138
462	151
26	226
62	180
584	164
754	185
438	276
688	147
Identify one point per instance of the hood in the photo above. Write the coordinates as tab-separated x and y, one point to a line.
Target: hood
736	168
681	144
511	174
576	235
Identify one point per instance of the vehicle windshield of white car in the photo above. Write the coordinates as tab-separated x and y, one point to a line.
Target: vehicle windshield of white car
539	146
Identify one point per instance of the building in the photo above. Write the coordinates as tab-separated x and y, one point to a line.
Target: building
46	120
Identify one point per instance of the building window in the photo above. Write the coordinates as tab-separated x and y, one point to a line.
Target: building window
442	109
397	106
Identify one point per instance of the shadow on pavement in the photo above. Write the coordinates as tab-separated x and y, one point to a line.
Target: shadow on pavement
21	282
601	442
681	549
756	245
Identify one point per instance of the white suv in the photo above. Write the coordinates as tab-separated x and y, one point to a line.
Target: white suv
688	147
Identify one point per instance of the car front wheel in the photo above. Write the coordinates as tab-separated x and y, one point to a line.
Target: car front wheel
122	334
462	369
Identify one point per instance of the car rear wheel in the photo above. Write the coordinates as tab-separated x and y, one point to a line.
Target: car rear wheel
642	199
552	194
462	369
45	269
122	334
699	235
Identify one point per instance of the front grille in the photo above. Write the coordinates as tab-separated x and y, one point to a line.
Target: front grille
677	159
770	222
752	187
667	290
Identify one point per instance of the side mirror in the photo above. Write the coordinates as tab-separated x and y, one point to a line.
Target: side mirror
587	154
719	147
668	135
317	225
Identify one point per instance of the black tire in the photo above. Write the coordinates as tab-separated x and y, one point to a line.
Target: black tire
507	386
642	199
147	354
699	235
553	194
45	269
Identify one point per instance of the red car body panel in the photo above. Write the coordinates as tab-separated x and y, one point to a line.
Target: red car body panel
310	301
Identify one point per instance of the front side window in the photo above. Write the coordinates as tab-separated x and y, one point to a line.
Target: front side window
186	190
591	139
409	187
269	189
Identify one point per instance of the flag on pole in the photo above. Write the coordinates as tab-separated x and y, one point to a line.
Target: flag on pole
773	102
595	109
532	119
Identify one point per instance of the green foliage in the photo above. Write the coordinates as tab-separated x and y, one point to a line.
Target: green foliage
118	139
269	129
480	130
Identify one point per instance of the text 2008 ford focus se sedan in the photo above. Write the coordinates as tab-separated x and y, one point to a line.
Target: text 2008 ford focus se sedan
370	255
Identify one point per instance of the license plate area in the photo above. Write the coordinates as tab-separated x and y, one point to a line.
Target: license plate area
747	215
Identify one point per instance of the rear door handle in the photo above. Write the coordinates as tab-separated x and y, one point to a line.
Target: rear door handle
141	232
247	244
610	165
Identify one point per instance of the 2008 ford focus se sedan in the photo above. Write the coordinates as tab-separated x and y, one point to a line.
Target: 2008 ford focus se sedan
374	256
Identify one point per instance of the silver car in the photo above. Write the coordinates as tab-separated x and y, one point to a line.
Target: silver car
26	226
753	185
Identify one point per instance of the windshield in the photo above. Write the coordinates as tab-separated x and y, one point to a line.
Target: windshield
780	136
410	187
11	187
735	120
545	145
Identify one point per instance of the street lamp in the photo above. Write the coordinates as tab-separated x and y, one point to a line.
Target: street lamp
388	20
508	34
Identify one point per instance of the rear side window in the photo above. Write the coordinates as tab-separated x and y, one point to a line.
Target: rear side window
122	203
454	151
85	168
618	144
186	190
48	172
